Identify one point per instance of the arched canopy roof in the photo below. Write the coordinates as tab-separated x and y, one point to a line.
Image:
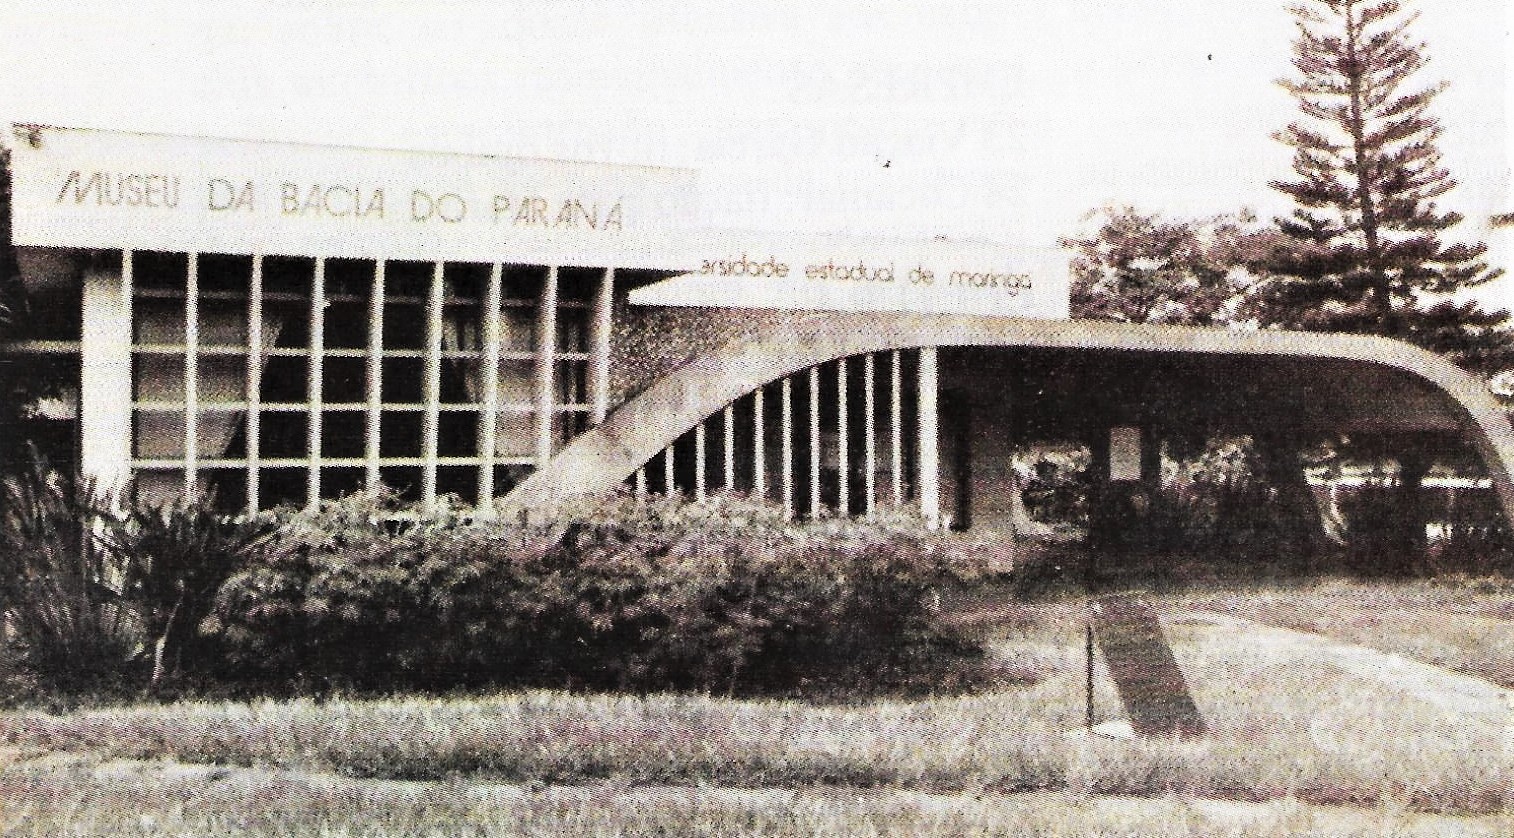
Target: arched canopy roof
1287	380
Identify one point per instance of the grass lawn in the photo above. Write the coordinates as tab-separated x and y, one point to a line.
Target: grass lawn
1296	748
84	796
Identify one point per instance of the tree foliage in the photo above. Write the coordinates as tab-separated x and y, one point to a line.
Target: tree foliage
1367	254
1142	268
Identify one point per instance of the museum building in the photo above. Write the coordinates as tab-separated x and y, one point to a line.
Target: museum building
274	323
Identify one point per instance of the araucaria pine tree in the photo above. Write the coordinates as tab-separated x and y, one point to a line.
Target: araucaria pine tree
1367	254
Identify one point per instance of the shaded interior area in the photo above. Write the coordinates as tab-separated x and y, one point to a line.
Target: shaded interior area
1139	450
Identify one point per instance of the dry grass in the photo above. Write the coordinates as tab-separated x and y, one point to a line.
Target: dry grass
84	797
1286	738
1303	729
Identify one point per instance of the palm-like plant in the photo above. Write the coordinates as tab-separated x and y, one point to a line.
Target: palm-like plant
58	590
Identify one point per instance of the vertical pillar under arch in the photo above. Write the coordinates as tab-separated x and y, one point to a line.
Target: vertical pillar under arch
1151	456
1413	516
546	361
601	330
488	417
1101	520
1302	520
928	427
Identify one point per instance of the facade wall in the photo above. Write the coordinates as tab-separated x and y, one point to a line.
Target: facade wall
291	379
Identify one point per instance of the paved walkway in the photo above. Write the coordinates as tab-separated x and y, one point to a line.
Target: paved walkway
1472	699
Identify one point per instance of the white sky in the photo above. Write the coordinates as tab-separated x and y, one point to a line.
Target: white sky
1003	120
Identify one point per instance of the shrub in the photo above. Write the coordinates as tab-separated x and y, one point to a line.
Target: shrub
173	558
626	593
98	592
59	588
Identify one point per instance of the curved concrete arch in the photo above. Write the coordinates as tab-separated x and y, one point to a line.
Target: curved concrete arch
637	430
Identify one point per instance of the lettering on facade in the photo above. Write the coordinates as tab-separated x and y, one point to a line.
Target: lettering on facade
448	207
860	272
222	195
744	266
335	201
988	279
115	189
570	213
354	201
864	271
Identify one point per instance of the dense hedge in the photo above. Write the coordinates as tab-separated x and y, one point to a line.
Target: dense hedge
628	594
362	594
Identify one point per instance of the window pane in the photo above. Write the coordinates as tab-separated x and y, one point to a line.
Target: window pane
461	481
339	481
515	435
284	379
573	330
223	323
221	378
157	270
281	435
402	380
158	321
224	273
158	435
400	433
457	434
342	434
404	326
344	380
517	382
517	330
282	485
158	378
405	480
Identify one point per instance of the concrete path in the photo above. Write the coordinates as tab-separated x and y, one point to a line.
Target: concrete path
1472	699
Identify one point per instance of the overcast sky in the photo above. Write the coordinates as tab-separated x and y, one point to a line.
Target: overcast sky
1004	120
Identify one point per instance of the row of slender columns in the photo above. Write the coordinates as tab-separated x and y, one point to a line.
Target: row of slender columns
926	436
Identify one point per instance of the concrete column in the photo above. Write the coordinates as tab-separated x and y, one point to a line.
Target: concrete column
895	429
786	436
313	377
372	449
255	358
599	347
929	437
546	362
700	440
843	461
105	393
1151	457
1102	522
814	417
869	434
1302	518
1413	465
488	375
759	448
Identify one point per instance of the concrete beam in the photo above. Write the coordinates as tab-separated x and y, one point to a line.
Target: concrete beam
603	458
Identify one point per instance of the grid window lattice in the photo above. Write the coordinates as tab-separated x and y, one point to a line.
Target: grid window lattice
270	380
